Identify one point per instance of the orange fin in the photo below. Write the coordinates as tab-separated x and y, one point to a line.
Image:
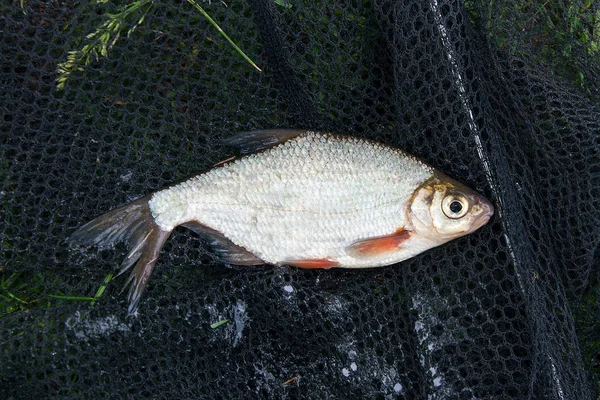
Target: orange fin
313	263
379	245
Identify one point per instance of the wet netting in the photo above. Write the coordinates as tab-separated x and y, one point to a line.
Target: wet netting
103	102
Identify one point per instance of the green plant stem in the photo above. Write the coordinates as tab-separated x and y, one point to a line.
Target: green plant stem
98	294
55	296
212	21
12	296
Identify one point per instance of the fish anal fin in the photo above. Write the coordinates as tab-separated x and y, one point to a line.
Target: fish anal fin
252	141
323	263
379	245
224	248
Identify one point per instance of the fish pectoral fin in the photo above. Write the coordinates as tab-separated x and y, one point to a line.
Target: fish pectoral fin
324	263
379	245
252	141
224	248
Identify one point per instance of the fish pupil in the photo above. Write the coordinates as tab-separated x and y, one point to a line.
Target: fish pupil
456	207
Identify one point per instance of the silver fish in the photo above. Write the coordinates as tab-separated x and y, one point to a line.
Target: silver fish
302	198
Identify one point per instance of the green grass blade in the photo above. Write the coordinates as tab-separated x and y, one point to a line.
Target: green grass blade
218	324
55	296
283	4
102	288
212	21
12	296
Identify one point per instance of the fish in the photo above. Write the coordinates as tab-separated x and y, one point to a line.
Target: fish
300	198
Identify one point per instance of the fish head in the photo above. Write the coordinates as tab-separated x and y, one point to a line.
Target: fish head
442	209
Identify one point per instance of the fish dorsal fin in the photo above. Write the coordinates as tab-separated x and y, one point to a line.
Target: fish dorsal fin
379	245
224	248
252	141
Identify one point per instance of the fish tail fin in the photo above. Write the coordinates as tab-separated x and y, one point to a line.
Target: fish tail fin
132	223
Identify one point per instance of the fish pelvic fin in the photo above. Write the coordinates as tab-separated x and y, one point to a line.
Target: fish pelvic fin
132	223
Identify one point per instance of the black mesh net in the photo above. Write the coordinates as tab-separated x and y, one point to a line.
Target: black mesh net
502	96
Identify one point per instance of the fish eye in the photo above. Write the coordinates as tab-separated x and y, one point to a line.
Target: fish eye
455	206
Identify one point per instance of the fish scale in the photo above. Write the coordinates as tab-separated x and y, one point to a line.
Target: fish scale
309	197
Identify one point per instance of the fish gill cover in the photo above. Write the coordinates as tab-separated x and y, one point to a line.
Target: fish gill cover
502	96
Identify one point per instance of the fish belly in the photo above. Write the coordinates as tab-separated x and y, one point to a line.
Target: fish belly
308	198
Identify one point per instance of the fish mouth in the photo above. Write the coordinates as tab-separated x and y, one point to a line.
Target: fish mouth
487	207
487	210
